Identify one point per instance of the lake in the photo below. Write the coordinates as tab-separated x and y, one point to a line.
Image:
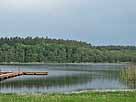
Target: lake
66	78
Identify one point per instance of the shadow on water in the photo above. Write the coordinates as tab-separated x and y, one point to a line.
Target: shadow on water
48	81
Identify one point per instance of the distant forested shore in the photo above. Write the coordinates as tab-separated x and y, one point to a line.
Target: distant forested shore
46	50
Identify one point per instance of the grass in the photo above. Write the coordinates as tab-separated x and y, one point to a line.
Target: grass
81	97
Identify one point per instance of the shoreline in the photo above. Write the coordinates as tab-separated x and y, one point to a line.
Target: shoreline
91	63
77	92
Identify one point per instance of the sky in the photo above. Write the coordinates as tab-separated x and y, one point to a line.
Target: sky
100	22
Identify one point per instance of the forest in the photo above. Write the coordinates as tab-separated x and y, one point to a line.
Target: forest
46	50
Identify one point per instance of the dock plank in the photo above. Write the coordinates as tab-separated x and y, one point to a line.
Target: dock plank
7	75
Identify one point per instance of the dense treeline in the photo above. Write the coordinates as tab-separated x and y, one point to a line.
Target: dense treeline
47	50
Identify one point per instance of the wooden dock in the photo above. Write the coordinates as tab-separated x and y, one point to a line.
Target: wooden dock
7	75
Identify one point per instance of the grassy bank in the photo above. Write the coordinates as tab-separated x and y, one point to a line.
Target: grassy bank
82	97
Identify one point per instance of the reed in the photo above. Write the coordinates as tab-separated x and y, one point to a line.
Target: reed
129	74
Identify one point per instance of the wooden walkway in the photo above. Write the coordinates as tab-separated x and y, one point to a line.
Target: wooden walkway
7	75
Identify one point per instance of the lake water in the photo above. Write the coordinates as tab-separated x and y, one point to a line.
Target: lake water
65	78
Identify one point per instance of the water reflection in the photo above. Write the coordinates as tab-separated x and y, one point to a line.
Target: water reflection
67	78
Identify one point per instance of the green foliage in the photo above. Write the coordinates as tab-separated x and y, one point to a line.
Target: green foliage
45	50
81	97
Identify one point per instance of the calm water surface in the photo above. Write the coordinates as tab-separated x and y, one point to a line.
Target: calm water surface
65	78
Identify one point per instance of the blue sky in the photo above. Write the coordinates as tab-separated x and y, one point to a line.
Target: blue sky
100	22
